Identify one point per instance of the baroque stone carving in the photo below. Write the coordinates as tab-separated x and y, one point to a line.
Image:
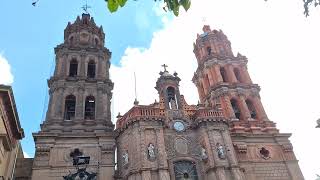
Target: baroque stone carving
151	151
221	151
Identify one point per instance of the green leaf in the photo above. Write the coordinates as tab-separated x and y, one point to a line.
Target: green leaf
122	2
186	4
113	5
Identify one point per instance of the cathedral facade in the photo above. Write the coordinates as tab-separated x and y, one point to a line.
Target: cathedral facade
226	136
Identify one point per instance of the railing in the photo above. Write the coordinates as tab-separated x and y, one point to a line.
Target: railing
139	111
207	113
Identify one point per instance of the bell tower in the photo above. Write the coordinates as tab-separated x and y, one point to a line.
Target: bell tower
223	81
78	118
223	78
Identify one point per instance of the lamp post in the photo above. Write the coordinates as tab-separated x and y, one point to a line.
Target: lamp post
80	162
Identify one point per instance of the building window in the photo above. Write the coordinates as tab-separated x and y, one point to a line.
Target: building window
73	69
251	109
91	69
89	111
70	107
185	170
223	74
172	98
235	108
237	74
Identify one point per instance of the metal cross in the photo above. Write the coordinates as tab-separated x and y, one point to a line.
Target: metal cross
86	7
164	66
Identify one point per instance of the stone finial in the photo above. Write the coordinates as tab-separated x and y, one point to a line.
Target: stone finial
119	115
136	102
206	28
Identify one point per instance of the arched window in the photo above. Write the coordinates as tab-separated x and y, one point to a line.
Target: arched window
91	69
235	108
172	98
237	74
223	74
185	170
73	69
251	108
89	110
209	50
70	107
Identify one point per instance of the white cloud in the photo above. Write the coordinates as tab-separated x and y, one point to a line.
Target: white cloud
26	155
6	76
282	49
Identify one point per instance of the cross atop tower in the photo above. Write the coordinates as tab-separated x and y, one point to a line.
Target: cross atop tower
86	7
164	67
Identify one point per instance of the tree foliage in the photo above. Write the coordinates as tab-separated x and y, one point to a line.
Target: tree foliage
308	3
170	5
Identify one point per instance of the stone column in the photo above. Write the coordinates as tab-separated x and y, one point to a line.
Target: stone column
245	113
259	108
146	175
164	175
210	79
205	86
58	104
82	64
79	104
200	92
99	104
228	107
230	74
231	154
244	72
221	174
216	71
99	73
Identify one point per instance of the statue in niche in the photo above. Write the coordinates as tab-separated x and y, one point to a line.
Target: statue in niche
173	104
221	151
151	151
125	157
204	155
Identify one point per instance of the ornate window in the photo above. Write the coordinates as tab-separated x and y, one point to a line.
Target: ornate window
89	111
73	69
70	107
91	69
223	74
185	170
235	108
251	108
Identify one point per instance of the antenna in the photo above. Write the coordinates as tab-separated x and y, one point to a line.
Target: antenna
136	102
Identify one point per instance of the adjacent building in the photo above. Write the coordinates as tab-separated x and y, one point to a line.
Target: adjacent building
10	134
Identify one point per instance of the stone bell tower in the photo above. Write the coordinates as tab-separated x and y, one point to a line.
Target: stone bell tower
78	119
223	80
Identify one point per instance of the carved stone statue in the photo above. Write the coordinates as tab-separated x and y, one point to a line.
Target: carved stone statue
173	104
125	157
151	150
204	155
221	151
318	123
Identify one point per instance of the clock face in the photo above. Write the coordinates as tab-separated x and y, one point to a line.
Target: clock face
178	126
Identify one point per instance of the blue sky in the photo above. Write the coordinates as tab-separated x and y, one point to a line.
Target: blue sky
28	35
282	47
